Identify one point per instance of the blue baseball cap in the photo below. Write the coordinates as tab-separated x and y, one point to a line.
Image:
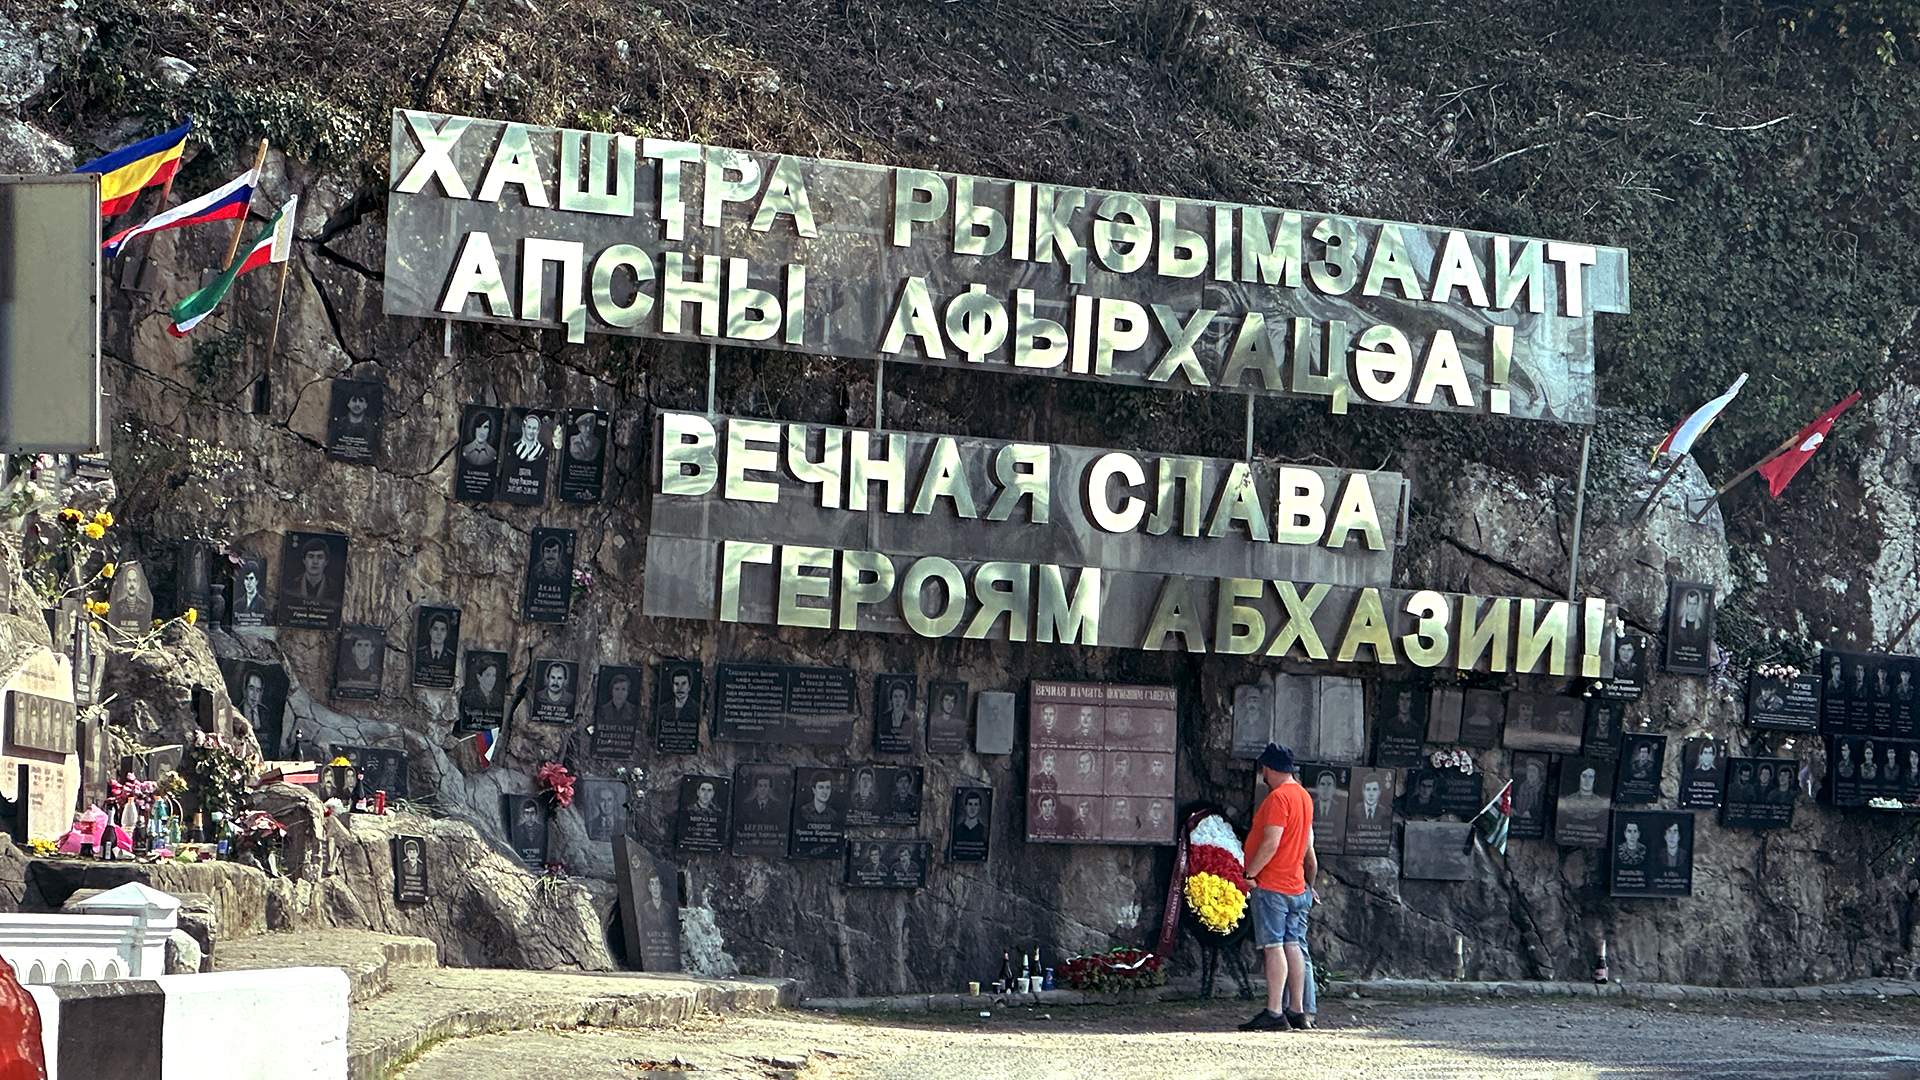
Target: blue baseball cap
1278	758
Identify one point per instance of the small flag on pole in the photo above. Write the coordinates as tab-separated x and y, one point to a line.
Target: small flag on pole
487	744
131	169
273	245
1680	440
224	203
1495	819
1781	469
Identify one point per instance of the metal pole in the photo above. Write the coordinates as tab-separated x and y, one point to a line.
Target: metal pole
1579	515
1249	429
713	377
879	394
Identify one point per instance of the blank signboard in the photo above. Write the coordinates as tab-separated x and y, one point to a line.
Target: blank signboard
50	313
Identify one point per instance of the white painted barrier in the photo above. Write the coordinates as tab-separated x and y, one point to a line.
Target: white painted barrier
121	935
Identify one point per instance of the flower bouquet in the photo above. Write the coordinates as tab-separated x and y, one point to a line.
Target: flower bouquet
557	783
1216	881
1115	971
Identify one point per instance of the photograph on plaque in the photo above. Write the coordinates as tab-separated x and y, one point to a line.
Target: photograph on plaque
701	822
555	684
616	712
410	869
994	722
193	579
529	452
1638	778
313	580
819	813
549	591
1868	769
359	660
1581	808
1480	714
355	412
1833	693
130	601
678	687
1369	812
603	806
893	713
776	703
436	646
1092	745
1550	722
1652	853
1444	707
1860	667
1420	797
259	692
1629	680
476	466
1328	786
483	696
971	828
1437	851
1046	820
1148	726
762	806
885	796
1530	791
1252	720
1909	771
1787	703
1690	627
888	864
1703	773
1606	722
649	901
583	457
946	717
1400	724
1843	765
1760	793
247	603
375	769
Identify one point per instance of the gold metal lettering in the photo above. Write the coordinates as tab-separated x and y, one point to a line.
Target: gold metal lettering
1367	629
1237	501
436	155
1593	633
1175	613
671	155
1223	241
743	454
602	190
1122	328
1252	350
735	554
1442	368
1354	512
1181	339
678	290
1073	621
786	194
918	195
1499	369
1431	639
1546	636
824	474
1122	237
1053	210
1332	384
1383	363
1299	506
1486	636
1023	471
977	229
945	478
1457	268
687	446
1298	621
535	253
866	577
1098	496
1001	588
977	323
606	304
1238	629
1390	262
797	585
717	190
1513	276
889	470
752	314
912	601
1574	259
477	270
1186	473
796	304
1272	258
514	163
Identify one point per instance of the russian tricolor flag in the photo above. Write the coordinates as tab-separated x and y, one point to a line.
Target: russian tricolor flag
228	202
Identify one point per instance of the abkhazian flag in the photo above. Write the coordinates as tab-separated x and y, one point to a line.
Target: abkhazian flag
1495	818
273	245
1781	469
224	203
1680	439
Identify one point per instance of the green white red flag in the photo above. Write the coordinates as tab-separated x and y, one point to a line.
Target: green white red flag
273	245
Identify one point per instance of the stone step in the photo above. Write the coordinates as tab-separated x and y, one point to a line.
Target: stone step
370	960
423	1007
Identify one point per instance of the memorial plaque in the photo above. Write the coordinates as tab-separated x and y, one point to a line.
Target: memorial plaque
1437	851
1606	722
946	717
1252	720
1530	793
476	465
1782	704
1582	808
603	806
583	458
130	601
762	807
436	646
375	769
247	600
819	814
1844	772
1652	854
1690	627
483	697
1340	728
678	688
359	662
1760	793
1906	702
970	828
1859	694
193	580
702	821
549	591
1444	708
313	580
355	411
649	906
1480	715
1400	724
893	701
1420	798
1328	786
555	684
1046	821
1550	722
37	722
888	864
1833	694
410	869
1910	771
1872	784
1369	812
1107	751
994	721
820	706
529	452
1703	772
1641	759
259	692
1889	673
775	703
1629	680
616	712
1293	701
886	796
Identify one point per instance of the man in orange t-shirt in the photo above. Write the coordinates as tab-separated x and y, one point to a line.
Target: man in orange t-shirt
1281	866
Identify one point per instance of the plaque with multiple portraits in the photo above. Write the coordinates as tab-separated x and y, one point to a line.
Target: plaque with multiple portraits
548	596
677	689
359	662
1861	769
1869	694
1651	854
356	409
554	690
376	769
1352	807
886	796
1432	792
706	806
777	703
1642	756
1760	793
313	580
1549	722
970	826
888	864
483	695
1690	627
436	646
615	732
1100	763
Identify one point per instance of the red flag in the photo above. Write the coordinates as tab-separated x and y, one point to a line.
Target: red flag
1779	472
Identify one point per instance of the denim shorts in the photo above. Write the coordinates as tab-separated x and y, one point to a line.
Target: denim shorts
1280	919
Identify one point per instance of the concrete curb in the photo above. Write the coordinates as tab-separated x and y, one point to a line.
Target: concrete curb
1438	988
945	1002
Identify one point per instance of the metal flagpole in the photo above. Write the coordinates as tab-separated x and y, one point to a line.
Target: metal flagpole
1579	515
1657	488
713	366
1744	473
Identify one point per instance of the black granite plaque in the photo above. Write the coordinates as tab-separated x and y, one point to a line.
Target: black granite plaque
994	719
649	890
354	415
1703	772
1400	723
616	712
1437	851
436	646
193	580
1833	675
1843	764
1782	704
1369	812
1760	793
483	696
1420	796
549	587
410	869
359	662
1444	705
1638	779
476	464
602	805
1606	723
1550	722
247	604
1630	652
130	601
893	701
259	692
819	814
526	817
313	580
820	705
970	824
1582	807
1909	781
556	686
1873	781
946	718
678	689
375	769
1532	787
1433	792
1652	854
780	704
1480	715
762	805
702	820
1328	786
525	461
888	864
583	456
1690	627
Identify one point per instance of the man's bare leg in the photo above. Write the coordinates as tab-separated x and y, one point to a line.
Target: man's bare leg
1296	978
1276	960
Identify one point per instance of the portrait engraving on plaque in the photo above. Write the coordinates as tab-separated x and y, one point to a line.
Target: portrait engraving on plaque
603	806
1652	853
1630	652
970	828
130	600
893	701
1843	766
819	814
313	580
1703	772
616	712
1779	703
1834	685
355	411
706	802
946	717
410	869
360	659
476	465
1581	811
1252	720
1761	793
888	864
1530	791
259	692
994	722
1400	724
1550	722
483	696
524	466
1328	786
1443	715
762	807
554	690
549	591
1641	758
649	906
1690	627
1093	744
1480	714
677	690
1606	722
375	769
886	796
1437	851
247	604
193	579
436	646
583	458
1369	812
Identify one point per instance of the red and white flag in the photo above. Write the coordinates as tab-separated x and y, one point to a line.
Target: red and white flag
1780	469
1680	439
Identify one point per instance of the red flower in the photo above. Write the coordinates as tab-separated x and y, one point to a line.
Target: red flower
558	783
1206	858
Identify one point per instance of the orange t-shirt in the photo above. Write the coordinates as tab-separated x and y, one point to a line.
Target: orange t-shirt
1291	808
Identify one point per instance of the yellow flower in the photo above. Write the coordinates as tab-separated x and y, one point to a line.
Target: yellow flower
107	571
104	519
72	516
97	607
1215	902
93	530
193	616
